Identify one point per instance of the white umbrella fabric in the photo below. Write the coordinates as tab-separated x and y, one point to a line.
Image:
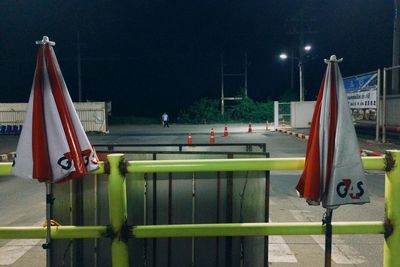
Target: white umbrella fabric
53	146
333	174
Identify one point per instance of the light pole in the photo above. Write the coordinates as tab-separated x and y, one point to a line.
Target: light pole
284	56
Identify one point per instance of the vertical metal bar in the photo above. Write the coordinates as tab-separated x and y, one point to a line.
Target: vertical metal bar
229	214
49	200
391	256
384	105
96	220
328	237
145	219
217	239
193	215
169	216
154	213
378	106
266	214
117	211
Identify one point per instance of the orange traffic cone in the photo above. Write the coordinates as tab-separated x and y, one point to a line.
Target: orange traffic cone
250	129
189	140
226	131
212	137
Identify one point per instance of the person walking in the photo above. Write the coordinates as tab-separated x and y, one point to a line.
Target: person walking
164	118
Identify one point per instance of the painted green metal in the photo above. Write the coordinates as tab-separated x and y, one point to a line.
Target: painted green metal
5	168
370	163
391	255
100	170
233	165
117	211
57	232
254	229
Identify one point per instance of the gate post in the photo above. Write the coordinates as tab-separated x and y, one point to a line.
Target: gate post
391	255
117	211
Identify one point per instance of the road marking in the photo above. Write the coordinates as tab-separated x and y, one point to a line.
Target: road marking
279	251
16	248
341	253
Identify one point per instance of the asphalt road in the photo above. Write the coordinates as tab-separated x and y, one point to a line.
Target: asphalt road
23	201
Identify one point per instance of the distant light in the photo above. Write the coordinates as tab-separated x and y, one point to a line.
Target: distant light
283	56
307	48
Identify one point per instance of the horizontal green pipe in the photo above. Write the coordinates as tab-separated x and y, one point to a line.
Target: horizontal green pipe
57	232
6	168
254	229
253	164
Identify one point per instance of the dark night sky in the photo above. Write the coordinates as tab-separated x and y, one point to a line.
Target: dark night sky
153	56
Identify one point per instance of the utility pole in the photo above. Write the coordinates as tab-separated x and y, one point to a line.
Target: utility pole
79	65
222	86
396	47
300	26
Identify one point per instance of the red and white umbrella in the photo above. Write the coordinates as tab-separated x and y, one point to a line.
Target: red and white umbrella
53	146
333	172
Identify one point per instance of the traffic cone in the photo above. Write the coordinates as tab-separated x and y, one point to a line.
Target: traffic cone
226	131
212	137
250	129
266	125
189	140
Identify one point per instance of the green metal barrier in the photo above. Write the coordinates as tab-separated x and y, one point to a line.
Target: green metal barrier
119	232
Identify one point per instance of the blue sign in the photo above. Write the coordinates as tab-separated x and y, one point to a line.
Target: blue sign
357	83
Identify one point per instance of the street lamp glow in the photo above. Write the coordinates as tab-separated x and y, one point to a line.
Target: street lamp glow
283	56
307	48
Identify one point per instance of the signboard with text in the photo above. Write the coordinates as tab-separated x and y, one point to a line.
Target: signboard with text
362	95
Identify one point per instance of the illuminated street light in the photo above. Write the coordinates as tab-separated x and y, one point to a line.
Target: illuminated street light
284	56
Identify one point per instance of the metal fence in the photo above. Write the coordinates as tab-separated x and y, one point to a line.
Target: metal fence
119	232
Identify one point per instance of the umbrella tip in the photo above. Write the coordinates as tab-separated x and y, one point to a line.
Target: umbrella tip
333	58
45	40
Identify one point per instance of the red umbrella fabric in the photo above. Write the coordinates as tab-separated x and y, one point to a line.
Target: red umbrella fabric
333	172
53	146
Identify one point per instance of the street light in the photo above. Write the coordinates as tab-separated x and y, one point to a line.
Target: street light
284	56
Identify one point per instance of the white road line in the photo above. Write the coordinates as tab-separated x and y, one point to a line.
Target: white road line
16	248
341	253
279	251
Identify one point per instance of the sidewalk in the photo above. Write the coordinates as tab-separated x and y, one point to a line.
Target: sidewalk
368	147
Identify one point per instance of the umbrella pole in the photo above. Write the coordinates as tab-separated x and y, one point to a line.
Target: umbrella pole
327	220
49	203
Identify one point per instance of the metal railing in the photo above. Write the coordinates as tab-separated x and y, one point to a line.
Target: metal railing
120	232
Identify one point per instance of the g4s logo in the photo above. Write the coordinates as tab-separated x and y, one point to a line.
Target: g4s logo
345	188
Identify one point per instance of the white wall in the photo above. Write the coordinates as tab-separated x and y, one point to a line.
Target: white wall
93	115
301	114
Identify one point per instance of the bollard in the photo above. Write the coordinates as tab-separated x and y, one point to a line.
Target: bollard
391	255
118	211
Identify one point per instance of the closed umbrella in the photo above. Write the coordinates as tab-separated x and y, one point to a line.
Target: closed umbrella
333	173
53	146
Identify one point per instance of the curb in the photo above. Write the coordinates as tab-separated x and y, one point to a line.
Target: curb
299	135
363	152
